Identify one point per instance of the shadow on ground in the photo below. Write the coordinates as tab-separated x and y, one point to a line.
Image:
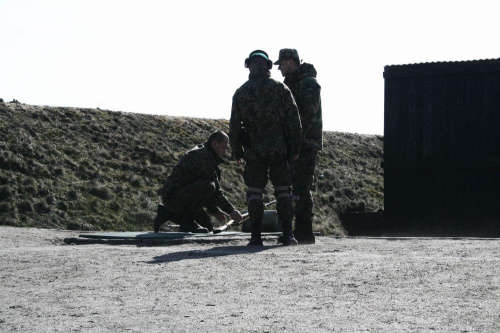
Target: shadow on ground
209	253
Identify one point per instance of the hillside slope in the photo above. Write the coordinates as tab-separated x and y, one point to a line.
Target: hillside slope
91	169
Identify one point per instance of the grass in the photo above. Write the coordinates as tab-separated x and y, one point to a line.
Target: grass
92	169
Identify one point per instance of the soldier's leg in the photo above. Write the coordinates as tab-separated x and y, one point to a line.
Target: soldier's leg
162	215
302	179
255	179
280	177
203	219
187	202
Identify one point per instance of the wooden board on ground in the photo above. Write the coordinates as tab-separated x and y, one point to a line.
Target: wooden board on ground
165	235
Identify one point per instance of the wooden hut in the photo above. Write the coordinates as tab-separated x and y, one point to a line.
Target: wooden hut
442	148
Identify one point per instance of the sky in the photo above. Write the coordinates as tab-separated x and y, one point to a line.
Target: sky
186	58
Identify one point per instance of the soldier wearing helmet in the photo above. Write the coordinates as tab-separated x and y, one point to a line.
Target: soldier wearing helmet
265	132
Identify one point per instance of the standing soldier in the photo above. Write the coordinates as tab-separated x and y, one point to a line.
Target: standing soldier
301	79
265	131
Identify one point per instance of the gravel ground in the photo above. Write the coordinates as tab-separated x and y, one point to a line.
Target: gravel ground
339	285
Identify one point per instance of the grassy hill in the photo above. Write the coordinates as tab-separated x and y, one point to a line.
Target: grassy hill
92	169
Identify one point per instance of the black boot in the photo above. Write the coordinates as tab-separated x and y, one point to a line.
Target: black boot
305	238
162	216
303	232
256	239
255	242
204	220
288	239
192	226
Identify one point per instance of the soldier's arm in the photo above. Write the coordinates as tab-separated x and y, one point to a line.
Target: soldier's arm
212	206
219	201
235	131
223	203
292	122
308	101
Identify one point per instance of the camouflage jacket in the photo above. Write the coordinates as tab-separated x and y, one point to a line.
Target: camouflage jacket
306	91
267	111
198	164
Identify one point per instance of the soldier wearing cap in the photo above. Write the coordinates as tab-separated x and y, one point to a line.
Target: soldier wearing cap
193	185
301	79
265	132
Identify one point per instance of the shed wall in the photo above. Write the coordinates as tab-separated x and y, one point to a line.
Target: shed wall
442	151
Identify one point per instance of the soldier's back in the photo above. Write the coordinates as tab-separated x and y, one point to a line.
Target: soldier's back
261	104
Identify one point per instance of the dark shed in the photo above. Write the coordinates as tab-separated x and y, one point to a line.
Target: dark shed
442	148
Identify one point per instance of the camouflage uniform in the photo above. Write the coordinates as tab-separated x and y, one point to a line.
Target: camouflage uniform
306	91
265	108
194	184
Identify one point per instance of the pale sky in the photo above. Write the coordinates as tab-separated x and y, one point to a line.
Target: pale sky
185	58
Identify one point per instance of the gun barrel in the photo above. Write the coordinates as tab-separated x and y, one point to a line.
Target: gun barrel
245	217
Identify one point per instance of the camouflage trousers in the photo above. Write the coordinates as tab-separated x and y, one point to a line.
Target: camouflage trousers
302	171
188	202
256	177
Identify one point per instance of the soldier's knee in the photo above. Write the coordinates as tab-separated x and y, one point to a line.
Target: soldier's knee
255	202
284	202
282	192
304	196
254	194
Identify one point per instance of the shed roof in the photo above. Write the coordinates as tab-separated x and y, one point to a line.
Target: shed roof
443	68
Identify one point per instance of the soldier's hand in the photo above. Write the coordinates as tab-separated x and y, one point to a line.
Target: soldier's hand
220	216
295	157
241	161
236	216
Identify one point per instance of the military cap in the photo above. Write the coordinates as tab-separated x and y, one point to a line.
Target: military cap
287	54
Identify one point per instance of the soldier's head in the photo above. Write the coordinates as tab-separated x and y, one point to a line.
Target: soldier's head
258	59
219	141
288	61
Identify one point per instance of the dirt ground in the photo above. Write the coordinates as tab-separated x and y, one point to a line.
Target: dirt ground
337	285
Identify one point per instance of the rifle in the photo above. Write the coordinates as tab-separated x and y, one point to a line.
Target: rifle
245	216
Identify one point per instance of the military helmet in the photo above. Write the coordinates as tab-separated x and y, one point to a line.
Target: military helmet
287	54
258	53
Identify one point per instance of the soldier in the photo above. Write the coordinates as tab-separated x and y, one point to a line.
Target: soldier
194	184
301	79
265	132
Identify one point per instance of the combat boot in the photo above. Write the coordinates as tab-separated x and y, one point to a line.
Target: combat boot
256	239
305	239
203	219
288	239
255	242
302	239
162	216
303	232
192	226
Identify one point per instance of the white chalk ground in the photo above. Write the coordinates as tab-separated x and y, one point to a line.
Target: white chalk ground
337	285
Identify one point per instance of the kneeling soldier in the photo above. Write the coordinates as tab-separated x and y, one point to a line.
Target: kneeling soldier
193	185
